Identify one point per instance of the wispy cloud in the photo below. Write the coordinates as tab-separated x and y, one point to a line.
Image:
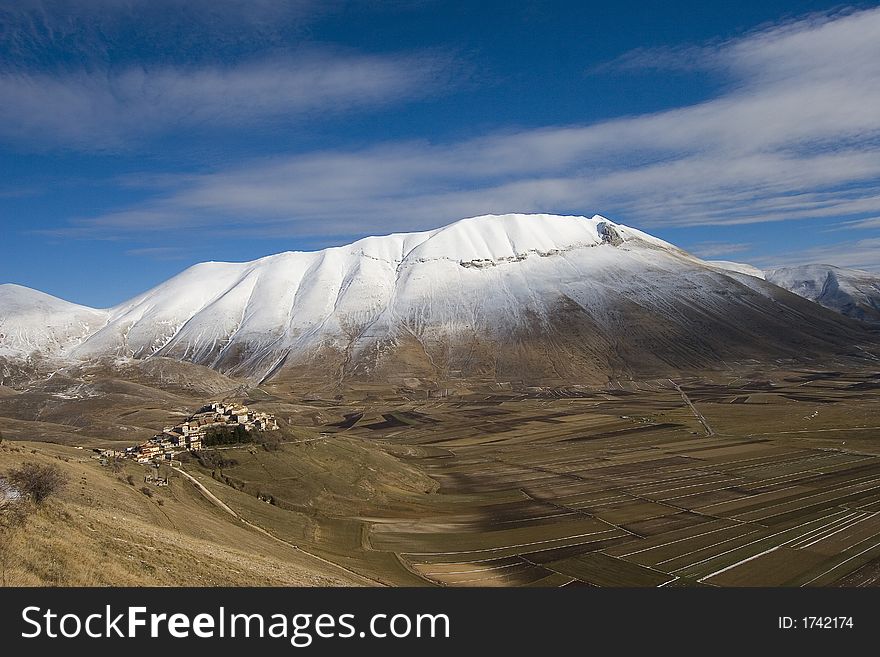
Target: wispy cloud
91	109
682	58
36	32
20	192
868	223
855	254
93	74
162	252
794	135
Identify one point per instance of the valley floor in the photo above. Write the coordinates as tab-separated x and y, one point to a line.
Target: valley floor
746	479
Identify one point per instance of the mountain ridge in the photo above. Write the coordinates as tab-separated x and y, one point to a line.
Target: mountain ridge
537	296
851	292
854	293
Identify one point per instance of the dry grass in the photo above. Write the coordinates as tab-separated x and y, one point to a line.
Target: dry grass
103	531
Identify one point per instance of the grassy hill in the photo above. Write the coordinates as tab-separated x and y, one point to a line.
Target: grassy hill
101	530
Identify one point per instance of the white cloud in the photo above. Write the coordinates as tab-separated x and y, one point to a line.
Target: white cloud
794	135
40	30
162	252
99	108
871	222
667	58
854	254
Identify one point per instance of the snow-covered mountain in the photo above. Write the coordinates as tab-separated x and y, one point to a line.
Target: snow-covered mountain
851	292
31	321
513	296
738	267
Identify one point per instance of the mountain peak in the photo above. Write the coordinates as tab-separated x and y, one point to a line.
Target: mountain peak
32	321
530	295
221	313
851	292
498	238
14	296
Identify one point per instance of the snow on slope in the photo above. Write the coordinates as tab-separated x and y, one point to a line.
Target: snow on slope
850	292
737	267
561	295
31	321
293	298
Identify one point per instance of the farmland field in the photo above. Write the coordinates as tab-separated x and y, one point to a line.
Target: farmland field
753	477
704	481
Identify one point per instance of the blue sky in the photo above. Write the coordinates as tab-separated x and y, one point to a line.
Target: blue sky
138	137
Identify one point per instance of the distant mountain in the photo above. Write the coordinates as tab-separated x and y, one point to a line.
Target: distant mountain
851	292
31	321
528	297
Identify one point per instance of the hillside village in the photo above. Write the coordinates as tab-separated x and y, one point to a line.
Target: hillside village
191	434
